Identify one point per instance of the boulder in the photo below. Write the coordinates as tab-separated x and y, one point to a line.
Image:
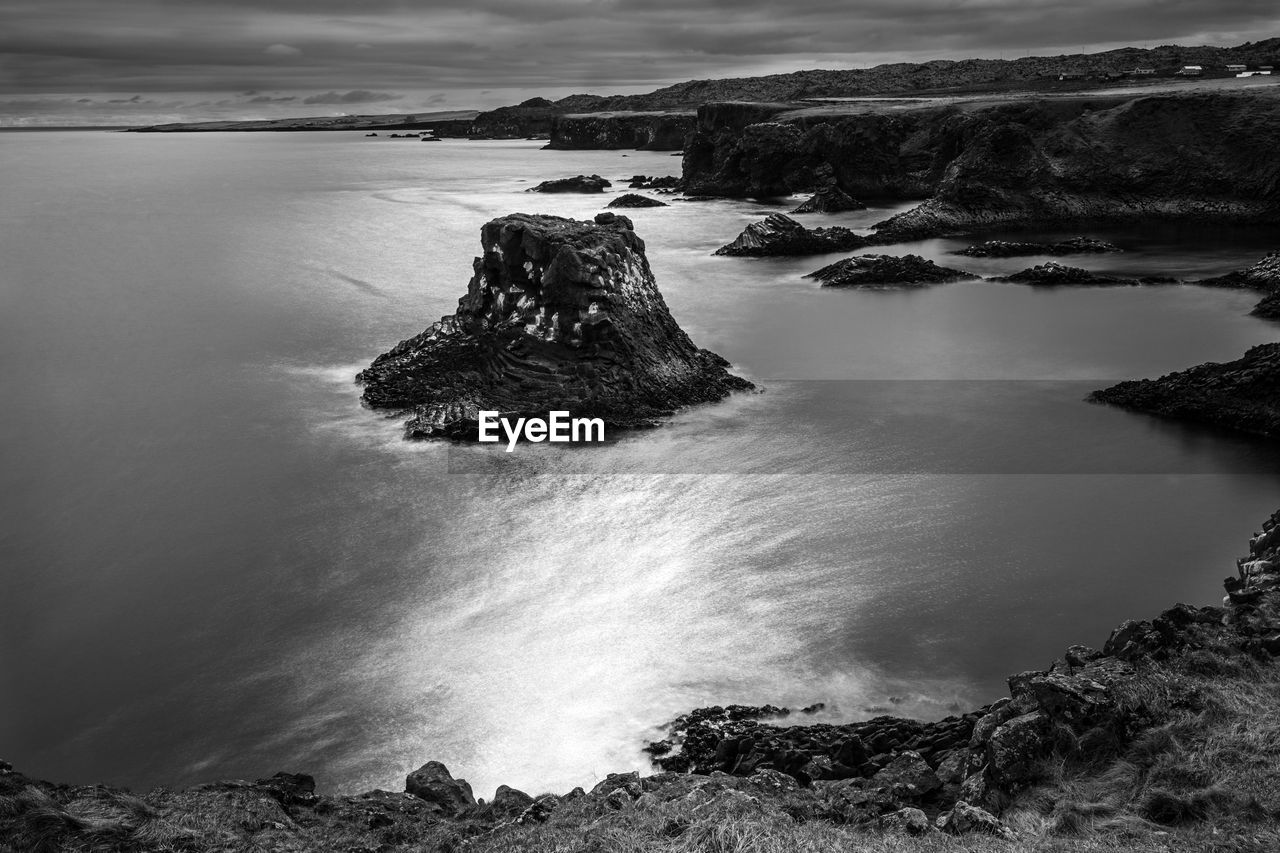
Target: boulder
964	819
908	775
829	199
510	801
636	200
1015	747
645	182
539	810
880	272
1053	274
1006	249
909	820
576	184
560	315
432	782
780	235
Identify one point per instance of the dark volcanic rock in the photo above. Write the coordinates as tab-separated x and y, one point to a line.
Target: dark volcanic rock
576	184
560	315
645	182
1242	395
829	199
1053	273
636	200
1005	249
646	131
433	783
886	271
781	235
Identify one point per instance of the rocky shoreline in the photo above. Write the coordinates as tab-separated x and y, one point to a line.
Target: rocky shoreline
1091	713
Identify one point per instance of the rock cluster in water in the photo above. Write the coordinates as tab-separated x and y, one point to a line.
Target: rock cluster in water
886	271
778	235
576	184
1052	273
1007	249
1242	395
1264	277
560	315
646	182
636	200
829	199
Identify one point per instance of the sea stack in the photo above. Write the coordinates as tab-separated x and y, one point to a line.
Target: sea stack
560	315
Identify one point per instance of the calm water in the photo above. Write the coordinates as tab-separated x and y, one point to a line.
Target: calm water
216	564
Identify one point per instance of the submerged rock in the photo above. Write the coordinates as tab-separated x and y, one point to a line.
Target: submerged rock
576	184
1005	249
829	199
778	235
560	315
636	200
886	271
1242	395
1052	273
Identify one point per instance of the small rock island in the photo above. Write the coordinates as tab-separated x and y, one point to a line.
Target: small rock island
560	315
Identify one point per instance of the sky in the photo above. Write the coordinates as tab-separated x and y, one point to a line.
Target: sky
70	62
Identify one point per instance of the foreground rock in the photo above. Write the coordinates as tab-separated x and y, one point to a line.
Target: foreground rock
636	200
576	184
886	271
1006	249
1053	274
829	199
560	315
779	235
1242	395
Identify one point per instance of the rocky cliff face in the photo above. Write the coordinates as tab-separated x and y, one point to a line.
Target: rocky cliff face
649	131
560	315
1014	163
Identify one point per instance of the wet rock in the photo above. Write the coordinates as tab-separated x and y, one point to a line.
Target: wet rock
885	272
1054	274
576	184
1007	249
780	235
1268	308
964	819
1243	395
433	782
829	199
645	182
636	200
560	315
911	821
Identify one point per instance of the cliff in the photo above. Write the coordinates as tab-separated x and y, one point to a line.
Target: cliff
560	315
1009	164
1164	739
648	131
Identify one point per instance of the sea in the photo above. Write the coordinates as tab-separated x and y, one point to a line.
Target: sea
216	563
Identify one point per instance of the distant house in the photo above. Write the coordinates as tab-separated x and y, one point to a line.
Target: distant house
1191	71
1265	67
1236	68
1139	72
1071	75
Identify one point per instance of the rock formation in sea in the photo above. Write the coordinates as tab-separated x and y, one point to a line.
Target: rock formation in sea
1242	395
575	184
1264	277
646	182
1054	274
829	199
636	200
560	315
1007	249
778	235
886	271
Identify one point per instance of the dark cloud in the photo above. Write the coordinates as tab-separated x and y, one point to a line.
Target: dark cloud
484	52
355	96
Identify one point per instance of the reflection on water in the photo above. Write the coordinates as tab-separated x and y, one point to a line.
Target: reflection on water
219	564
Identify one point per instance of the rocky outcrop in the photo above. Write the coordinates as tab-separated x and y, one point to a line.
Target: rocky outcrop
1054	274
560	315
576	184
645	182
1006	249
1242	395
778	235
433	783
646	131
830	199
1264	277
636	200
886	271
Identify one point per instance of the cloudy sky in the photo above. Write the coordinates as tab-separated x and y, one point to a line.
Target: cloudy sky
141	61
